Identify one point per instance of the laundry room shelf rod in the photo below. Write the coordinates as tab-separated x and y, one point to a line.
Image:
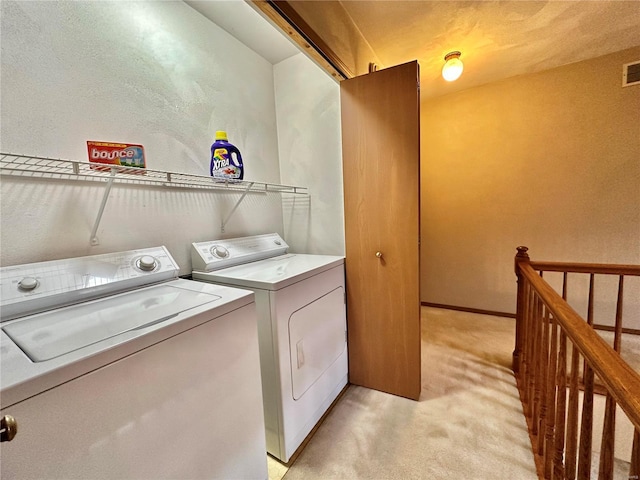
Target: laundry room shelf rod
60	169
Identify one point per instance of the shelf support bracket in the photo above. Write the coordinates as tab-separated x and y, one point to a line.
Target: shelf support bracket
244	194
94	233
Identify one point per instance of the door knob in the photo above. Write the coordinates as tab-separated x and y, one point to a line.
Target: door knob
379	254
8	428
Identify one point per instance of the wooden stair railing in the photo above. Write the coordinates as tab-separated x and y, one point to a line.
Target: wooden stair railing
547	372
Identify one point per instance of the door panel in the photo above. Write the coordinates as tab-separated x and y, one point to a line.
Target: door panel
316	340
381	162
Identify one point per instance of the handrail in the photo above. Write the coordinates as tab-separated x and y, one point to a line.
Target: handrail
597	268
548	380
622	382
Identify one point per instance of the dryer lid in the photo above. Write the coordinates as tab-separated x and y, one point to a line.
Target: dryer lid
273	273
48	335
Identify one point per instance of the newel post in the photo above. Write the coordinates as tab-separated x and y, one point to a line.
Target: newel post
521	257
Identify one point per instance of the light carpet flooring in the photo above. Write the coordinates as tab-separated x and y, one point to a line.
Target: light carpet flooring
467	424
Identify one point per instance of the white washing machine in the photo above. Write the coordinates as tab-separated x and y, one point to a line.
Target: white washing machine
300	301
112	367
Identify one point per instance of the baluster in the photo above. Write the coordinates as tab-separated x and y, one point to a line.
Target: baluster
605	471
586	427
551	401
526	349
534	363
589	321
634	471
572	420
521	256
531	354
592	279
617	339
541	363
561	407
541	384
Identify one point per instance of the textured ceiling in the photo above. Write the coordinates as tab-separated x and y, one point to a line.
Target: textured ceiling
498	39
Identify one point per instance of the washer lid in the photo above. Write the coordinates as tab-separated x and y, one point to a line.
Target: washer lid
272	273
36	287
48	335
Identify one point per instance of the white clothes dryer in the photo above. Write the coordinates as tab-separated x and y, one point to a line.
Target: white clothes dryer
112	367
300	300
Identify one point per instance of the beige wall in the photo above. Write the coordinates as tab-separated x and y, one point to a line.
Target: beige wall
549	160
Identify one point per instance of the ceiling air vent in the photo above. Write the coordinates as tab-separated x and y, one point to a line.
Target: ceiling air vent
631	74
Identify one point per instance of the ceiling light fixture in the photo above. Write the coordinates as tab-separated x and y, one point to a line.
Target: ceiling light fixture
452	67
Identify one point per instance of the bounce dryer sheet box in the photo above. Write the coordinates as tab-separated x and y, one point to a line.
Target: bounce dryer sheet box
122	154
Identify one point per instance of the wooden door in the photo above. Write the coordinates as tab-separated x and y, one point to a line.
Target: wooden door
381	167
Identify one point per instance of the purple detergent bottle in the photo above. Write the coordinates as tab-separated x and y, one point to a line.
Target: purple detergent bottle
226	161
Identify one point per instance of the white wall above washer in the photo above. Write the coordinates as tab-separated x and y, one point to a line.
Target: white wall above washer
245	24
310	148
154	73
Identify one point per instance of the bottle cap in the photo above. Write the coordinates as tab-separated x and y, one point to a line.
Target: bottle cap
221	135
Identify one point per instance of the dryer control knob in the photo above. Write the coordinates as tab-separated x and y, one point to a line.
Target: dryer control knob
219	251
147	263
28	283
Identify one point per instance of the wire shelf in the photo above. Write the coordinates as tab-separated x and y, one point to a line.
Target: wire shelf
59	169
54	168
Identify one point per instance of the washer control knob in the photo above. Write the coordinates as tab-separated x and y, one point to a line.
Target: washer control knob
28	283
219	251
277	242
147	263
